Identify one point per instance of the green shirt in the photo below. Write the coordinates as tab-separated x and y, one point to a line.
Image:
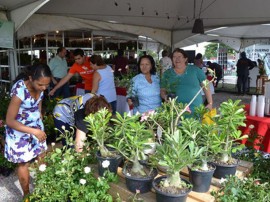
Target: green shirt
58	67
185	85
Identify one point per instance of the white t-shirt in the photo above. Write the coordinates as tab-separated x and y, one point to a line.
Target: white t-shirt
166	63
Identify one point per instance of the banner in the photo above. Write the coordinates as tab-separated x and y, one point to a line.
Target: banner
6	34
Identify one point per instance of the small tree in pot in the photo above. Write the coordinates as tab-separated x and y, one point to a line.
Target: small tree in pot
131	140
231	116
101	132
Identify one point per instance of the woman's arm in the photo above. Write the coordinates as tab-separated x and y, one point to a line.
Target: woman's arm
163	94
96	79
208	96
79	140
11	121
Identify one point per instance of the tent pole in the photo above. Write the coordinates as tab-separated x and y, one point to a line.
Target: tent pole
92	42
47	49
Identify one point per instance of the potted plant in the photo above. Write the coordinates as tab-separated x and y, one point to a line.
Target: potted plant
176	151
101	131
66	175
131	138
201	171
225	142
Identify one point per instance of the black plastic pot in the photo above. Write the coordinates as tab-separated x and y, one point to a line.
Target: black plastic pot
201	180
113	166
144	184
223	170
166	197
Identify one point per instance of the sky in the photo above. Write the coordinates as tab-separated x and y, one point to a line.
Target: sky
199	48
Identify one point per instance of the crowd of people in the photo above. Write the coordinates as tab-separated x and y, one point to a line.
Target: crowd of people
25	136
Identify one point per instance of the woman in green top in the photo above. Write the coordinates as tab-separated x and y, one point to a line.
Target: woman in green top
185	81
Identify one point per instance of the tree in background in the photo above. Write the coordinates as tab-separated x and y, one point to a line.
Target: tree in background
212	48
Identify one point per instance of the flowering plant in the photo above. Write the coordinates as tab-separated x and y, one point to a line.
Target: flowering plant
67	175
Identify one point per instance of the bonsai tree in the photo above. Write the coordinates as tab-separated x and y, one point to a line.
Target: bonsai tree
100	130
225	142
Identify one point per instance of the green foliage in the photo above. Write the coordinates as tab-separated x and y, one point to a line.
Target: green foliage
131	136
229	119
211	50
5	163
237	190
100	130
66	174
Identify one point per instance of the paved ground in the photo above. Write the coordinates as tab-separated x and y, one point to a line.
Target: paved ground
10	190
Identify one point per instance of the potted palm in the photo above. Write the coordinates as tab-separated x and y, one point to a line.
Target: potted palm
226	141
131	138
101	131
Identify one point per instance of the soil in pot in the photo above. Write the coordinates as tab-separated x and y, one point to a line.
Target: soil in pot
225	169
200	179
170	194
135	181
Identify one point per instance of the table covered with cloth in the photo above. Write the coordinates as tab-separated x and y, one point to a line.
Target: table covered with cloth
261	127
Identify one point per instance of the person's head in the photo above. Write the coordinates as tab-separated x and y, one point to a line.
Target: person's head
39	76
95	104
179	57
198	56
96	61
78	56
120	52
61	52
164	53
243	54
209	63
146	65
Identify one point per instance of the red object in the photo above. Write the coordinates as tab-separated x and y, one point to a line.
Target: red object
121	91
261	126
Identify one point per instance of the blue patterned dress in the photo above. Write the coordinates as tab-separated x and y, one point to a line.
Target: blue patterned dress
22	147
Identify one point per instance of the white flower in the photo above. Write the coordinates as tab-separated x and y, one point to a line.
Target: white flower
119	69
87	169
53	144
251	126
128	174
126	67
105	164
82	181
63	127
42	167
222	180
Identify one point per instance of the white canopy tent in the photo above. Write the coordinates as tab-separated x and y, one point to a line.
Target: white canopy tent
168	22
237	23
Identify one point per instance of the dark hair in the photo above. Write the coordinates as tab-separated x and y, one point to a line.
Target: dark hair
95	104
149	57
179	50
243	55
120	52
198	56
78	51
97	60
60	49
209	63
35	71
164	53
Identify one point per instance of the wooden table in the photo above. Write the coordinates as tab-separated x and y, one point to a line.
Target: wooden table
243	169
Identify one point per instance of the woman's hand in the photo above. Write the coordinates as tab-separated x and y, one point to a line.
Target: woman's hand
209	106
41	135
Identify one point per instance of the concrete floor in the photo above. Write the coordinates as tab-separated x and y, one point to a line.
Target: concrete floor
10	190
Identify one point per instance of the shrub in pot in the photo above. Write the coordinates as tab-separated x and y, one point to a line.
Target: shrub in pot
131	138
225	141
101	131
176	151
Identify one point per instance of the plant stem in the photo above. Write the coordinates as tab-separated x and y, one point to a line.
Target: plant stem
174	179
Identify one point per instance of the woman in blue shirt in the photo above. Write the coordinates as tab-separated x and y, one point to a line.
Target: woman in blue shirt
145	87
